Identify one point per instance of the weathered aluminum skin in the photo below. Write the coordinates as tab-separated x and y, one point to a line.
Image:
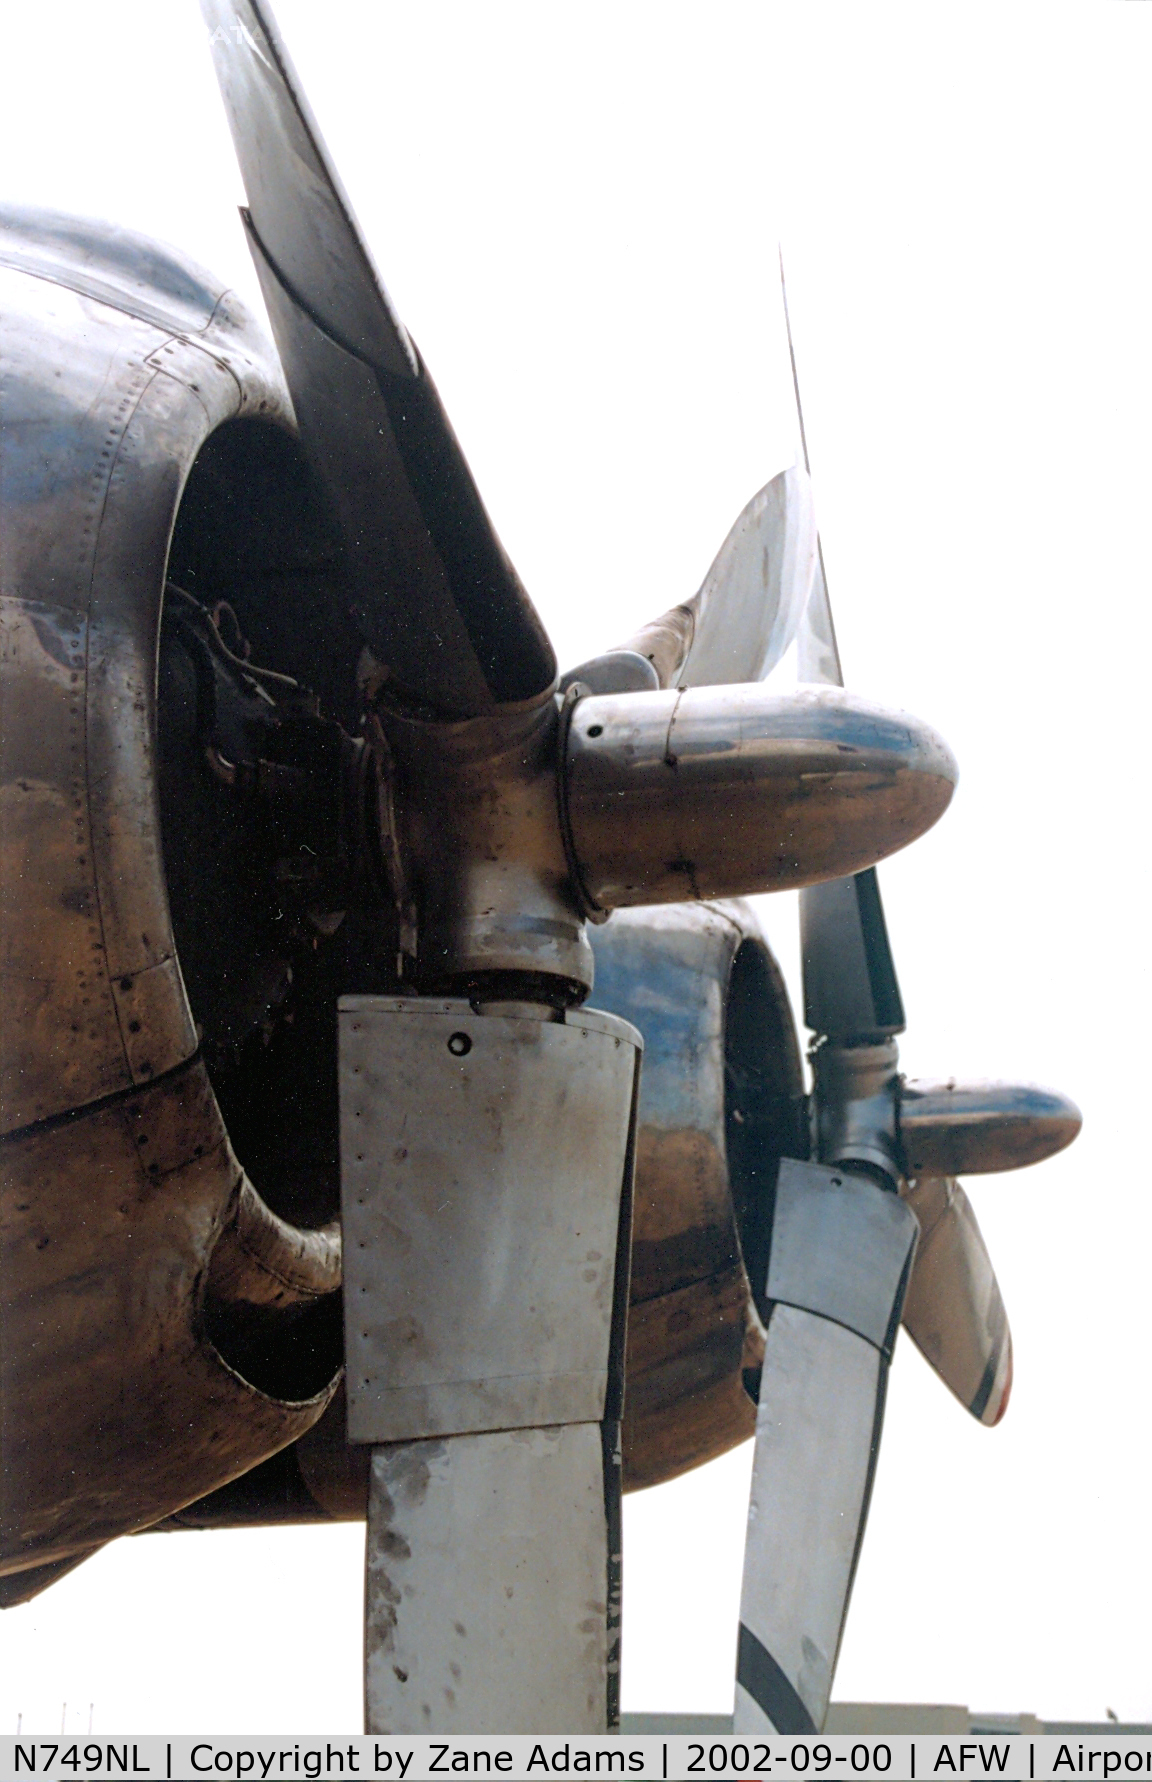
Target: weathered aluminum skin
841	1252
693	1326
483	1168
104	413
116	1408
118	361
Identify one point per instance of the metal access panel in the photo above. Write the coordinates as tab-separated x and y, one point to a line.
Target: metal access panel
483	1163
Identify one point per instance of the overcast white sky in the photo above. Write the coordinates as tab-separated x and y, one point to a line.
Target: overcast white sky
576	210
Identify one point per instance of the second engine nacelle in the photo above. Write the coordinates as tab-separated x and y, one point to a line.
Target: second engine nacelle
721	1101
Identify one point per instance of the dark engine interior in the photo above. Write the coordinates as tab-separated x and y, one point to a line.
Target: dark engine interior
264	806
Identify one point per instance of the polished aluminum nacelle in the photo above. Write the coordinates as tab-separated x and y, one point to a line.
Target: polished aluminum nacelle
159	1289
120	1188
721	1101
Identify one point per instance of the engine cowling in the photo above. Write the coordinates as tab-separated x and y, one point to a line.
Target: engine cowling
721	1101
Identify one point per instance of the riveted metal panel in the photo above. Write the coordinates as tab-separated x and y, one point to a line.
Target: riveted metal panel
482	1162
114	1409
104	412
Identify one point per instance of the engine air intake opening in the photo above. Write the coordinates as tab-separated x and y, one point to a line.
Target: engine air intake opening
764	1103
266	803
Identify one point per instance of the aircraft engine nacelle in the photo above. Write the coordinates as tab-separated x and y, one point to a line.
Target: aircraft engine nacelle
721	1101
231	795
143	1274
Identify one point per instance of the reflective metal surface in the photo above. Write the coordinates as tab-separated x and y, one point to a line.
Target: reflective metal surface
953	1311
745	615
259	1259
820	1392
715	792
721	1099
492	1585
950	1128
841	1252
953	1308
129	1386
479	833
851	995
487	1174
756	591
840	1249
117	1406
616	671
483	1164
435	596
664	643
854	1102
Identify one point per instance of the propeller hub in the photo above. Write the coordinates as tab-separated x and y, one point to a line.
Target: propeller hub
482	855
855	1099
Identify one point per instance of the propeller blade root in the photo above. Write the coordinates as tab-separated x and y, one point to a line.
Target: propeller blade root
486	1174
746	613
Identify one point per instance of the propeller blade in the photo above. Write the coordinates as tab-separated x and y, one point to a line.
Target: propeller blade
851	994
484	1343
434	595
839	1262
492	1583
841	1256
850	988
953	1310
742	620
817	652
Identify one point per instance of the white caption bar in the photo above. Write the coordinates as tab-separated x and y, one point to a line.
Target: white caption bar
899	1757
